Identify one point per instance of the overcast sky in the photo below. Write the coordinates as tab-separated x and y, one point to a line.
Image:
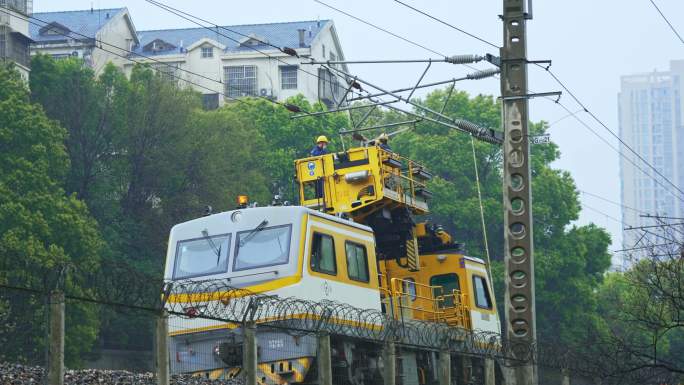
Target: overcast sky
592	43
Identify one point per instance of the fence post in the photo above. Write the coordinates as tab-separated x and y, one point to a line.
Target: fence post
565	373
389	360
162	348
444	367
467	369
489	371
324	360
249	358
55	375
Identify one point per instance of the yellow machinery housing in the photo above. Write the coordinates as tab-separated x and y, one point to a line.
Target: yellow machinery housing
424	275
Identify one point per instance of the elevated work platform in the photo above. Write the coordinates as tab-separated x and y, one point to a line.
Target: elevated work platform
362	181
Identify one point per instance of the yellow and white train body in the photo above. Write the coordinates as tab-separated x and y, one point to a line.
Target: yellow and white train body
413	272
284	251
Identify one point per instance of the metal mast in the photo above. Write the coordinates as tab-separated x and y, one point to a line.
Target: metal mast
517	194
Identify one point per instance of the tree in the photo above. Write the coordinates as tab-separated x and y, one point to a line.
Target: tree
570	260
41	228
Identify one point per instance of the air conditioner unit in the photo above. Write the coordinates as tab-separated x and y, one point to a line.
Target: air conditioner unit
265	92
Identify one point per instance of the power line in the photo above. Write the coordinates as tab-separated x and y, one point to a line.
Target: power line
400	37
103	43
447	24
612	133
604	140
192	18
667	21
611	201
553	75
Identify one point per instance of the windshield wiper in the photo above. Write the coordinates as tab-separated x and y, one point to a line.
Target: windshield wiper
217	250
253	232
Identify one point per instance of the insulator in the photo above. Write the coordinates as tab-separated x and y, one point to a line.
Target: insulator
463	59
483	74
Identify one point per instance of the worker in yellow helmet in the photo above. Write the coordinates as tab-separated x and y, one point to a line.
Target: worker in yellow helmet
382	142
321	147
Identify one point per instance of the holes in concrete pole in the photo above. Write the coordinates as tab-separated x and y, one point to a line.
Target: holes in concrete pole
520	308
515	122
515	23
517	182
516	158
518	254
518	275
519	300
517	206
520	332
518	230
515	39
516	135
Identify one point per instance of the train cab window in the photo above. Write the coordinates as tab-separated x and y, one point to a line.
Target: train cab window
201	256
323	254
357	261
269	246
482	298
446	284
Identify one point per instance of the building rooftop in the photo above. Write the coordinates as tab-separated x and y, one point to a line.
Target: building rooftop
78	24
285	34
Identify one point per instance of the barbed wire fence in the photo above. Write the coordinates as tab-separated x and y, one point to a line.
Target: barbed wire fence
144	300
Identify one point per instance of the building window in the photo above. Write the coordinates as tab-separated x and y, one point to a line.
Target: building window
323	254
241	81
357	262
207	52
167	71
210	101
323	51
288	77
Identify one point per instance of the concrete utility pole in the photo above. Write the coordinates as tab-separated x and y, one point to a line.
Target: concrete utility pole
55	374
517	193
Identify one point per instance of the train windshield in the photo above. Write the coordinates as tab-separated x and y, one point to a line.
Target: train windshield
262	247
202	256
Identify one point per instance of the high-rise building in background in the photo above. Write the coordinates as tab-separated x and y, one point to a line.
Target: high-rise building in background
650	114
14	33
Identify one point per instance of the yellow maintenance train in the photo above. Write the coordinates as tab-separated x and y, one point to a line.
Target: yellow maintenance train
355	238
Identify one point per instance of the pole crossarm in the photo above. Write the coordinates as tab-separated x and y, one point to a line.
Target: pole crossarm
478	132
456	59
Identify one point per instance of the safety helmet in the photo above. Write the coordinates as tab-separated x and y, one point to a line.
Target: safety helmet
383	137
322	138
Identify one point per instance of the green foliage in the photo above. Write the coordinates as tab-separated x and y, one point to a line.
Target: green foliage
144	157
41	227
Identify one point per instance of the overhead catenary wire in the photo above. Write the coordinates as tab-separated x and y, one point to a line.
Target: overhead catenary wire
447	24
572	95
102	44
667	21
214	28
604	140
612	133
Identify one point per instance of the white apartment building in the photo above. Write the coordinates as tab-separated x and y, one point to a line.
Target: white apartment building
650	114
14	33
246	60
78	33
221	63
